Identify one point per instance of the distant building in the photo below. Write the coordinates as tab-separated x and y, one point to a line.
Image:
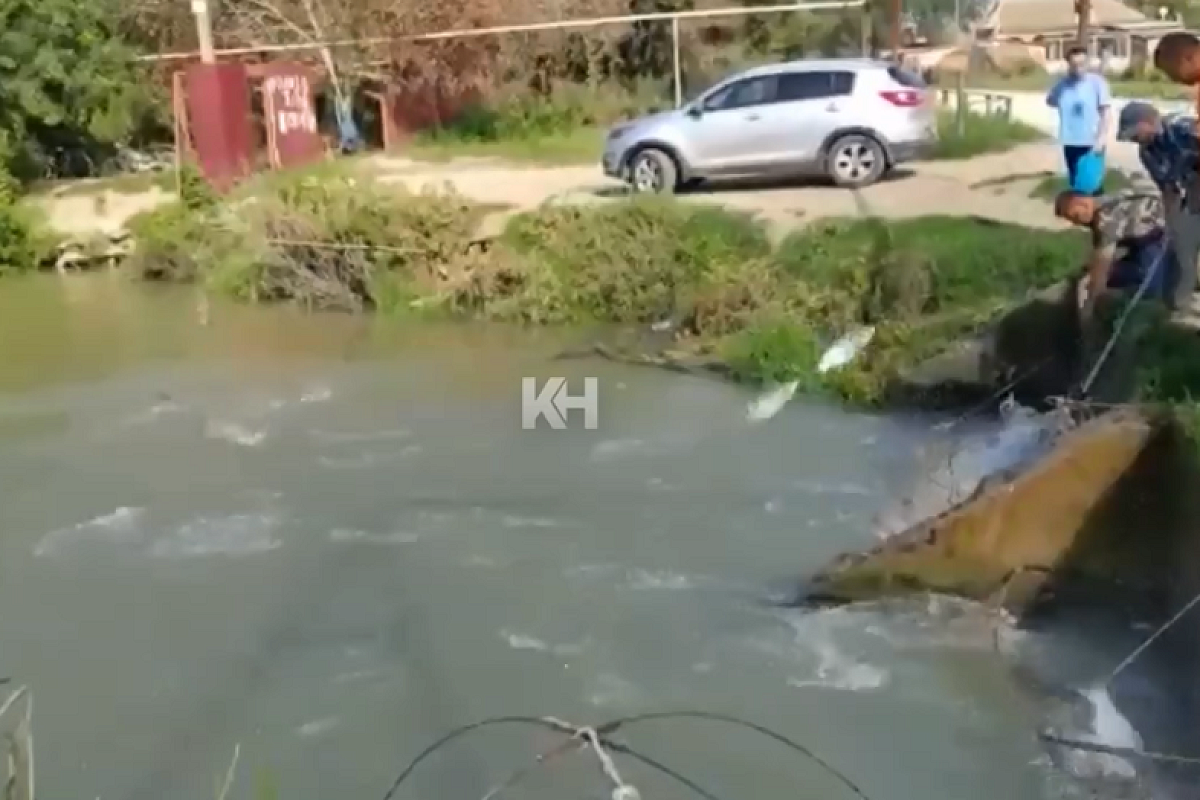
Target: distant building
1121	36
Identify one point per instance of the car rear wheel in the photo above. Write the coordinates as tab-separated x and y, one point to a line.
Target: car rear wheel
856	160
652	171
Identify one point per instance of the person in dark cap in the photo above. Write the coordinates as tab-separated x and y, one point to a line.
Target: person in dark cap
1169	149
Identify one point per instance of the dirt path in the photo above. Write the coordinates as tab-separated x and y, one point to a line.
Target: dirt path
944	187
926	188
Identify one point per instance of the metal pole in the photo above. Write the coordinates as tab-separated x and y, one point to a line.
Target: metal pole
675	62
204	34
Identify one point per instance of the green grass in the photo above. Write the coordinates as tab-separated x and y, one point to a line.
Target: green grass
579	146
566	127
583	145
981	134
1158	88
1048	188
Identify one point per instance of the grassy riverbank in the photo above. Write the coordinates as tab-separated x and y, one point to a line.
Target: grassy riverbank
763	312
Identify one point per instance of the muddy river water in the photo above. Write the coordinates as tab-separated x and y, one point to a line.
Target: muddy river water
329	541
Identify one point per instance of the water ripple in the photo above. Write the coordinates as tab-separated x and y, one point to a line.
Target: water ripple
121	526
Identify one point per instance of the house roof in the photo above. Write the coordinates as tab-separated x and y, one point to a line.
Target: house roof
1022	17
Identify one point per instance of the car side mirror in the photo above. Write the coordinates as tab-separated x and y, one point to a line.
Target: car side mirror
695	112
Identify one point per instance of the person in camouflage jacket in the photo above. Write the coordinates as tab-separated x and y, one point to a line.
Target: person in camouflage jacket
1128	241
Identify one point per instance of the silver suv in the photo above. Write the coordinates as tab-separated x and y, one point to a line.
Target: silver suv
849	119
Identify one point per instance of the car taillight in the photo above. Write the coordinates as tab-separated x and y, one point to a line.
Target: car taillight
905	98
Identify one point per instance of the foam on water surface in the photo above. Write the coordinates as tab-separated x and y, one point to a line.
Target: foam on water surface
632	447
1023	438
836	670
318	727
120	526
331	437
235	433
524	641
222	535
659	580
365	460
367	537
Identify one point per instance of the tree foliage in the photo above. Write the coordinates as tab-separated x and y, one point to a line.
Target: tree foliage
69	87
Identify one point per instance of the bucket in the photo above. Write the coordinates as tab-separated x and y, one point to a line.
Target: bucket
1089	173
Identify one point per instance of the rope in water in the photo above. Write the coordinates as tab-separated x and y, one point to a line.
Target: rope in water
988	401
1086	386
1079	744
597	738
1141	648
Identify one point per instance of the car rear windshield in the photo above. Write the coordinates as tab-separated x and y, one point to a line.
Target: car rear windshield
906	78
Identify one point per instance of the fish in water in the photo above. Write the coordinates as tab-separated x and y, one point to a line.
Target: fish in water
846	349
1024	437
768	404
1109	727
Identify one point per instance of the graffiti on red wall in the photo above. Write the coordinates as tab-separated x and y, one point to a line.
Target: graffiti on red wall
288	102
291	99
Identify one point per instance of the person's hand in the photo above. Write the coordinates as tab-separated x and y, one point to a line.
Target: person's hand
1100	147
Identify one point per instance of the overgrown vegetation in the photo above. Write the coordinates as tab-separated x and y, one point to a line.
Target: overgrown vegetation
70	89
20	249
980	134
764	312
25	243
324	240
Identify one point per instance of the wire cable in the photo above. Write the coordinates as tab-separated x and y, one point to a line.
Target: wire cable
1086	386
462	730
602	734
612	726
678	777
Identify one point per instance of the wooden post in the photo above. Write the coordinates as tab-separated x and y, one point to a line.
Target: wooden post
960	104
677	67
897	15
269	118
1083	9
178	110
865	31
204	34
